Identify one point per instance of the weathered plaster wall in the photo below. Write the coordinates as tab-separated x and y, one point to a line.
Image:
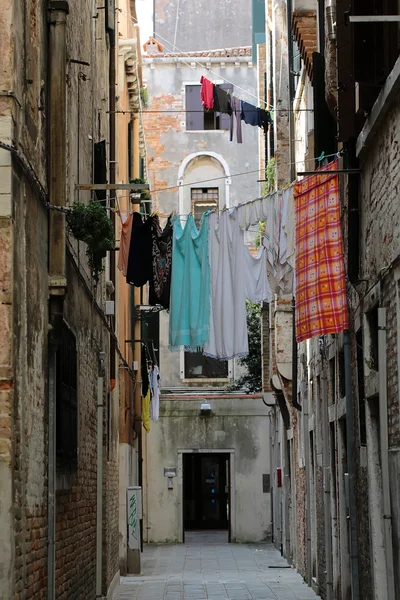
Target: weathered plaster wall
186	25
239	424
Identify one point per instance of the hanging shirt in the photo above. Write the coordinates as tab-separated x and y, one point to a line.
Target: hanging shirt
160	282
321	302
266	119
189	320
228	323
222	101
207	93
236	116
146	411
257	286
140	263
124	243
155	395
251	114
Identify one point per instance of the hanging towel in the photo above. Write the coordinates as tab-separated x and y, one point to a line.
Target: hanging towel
252	213
286	243
251	114
140	264
321	305
189	320
155	396
146	411
207	93
160	282
257	285
236	116
124	243
228	324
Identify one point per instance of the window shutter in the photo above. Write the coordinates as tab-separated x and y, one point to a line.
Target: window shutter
345	64
100	169
194	108
224	120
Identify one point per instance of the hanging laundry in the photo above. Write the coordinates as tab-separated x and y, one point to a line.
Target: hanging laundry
321	304
155	394
124	243
252	213
272	239
287	242
160	282
222	101
251	114
256	280
189	320
236	116
207	93
266	119
228	323
145	391
140	266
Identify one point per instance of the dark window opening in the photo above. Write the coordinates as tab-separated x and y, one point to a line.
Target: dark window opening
198	366
67	401
342	375
130	151
197	119
372	320
332	380
100	169
361	391
150	327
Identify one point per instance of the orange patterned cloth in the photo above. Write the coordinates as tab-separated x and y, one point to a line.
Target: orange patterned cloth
321	303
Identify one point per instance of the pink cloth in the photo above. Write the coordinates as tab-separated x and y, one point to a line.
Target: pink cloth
207	93
126	231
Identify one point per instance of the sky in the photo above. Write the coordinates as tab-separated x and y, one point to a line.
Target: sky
144	11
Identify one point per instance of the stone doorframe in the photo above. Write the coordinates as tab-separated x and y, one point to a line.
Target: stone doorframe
232	502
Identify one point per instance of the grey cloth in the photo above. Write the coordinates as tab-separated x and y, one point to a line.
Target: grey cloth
236	114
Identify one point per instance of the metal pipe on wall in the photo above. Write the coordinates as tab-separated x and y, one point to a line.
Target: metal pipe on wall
112	115
99	490
307	461
355	586
57	151
289	11
384	440
327	487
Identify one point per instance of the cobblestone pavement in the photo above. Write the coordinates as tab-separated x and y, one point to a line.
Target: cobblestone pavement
213	570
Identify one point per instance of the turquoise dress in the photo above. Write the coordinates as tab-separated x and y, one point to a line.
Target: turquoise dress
189	319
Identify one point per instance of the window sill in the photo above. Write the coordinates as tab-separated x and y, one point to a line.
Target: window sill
206	130
205	380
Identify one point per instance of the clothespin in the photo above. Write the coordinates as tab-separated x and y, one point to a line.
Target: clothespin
321	158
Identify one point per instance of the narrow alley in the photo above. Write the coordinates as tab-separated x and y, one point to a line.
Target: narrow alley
206	567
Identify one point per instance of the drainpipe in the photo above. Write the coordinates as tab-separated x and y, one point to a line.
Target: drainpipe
294	358
112	104
99	503
289	12
57	146
327	486
307	467
355	591
384	439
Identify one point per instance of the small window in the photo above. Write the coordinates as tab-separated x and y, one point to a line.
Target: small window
203	199
198	366
67	401
197	119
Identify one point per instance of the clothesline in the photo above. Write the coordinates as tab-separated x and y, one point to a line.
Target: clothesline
192	59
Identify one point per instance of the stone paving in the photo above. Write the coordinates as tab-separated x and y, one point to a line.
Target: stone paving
206	568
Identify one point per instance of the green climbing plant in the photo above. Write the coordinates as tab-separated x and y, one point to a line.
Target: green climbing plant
89	223
270	176
251	381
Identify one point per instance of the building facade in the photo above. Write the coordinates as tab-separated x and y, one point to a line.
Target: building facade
61	356
192	166
334	473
